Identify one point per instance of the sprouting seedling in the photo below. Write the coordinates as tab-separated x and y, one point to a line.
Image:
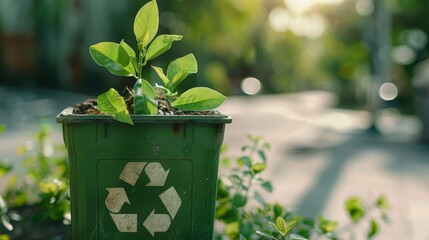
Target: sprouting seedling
122	60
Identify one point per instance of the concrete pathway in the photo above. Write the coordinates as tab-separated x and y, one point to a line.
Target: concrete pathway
321	156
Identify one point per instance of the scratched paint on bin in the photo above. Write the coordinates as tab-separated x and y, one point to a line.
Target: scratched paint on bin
144	199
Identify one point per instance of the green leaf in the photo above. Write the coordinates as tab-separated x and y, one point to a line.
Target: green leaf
113	57
262	155
326	225
3	206
278	210
247	228
161	75
180	68
160	45
266	146
6	223
146	24
297	237
259	167
58	210
235	179
232	230
124	116
222	191
133	59
267	186
138	98
5	168
355	208
265	233
199	99
221	210
225	162
112	103
239	200
242	238
373	229
291	225
385	217
150	104
274	226
281	225
2	128
254	139
231	215
382	203
305	232
128	49
244	160
4	237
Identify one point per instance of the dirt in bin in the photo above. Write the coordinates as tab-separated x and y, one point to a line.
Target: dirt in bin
90	106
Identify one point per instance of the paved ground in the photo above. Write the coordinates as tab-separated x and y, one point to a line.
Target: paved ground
320	155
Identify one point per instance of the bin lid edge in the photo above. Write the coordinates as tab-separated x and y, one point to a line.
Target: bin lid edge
67	116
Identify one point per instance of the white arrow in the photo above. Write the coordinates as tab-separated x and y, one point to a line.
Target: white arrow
125	222
116	199
131	172
171	201
156	174
157	223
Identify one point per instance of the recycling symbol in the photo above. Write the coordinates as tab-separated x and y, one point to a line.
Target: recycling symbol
117	197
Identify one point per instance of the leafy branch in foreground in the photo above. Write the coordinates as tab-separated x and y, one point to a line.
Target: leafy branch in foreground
122	60
238	217
36	187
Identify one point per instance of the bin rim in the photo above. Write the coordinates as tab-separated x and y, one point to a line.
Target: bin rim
67	116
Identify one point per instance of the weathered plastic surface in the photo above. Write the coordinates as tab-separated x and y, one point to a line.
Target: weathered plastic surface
154	180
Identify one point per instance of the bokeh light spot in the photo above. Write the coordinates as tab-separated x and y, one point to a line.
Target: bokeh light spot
304	5
251	86
403	54
417	38
278	19
388	91
364	7
309	25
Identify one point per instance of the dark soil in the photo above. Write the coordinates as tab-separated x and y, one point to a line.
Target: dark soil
90	106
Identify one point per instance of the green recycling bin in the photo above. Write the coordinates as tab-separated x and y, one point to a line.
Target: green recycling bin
154	180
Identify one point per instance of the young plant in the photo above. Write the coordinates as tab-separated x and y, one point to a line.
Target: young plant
122	60
35	190
238	187
238	218
5	168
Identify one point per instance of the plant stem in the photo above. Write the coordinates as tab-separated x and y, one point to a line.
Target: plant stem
253	150
249	185
141	64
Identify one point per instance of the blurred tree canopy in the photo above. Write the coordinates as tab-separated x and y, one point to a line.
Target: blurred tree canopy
286	44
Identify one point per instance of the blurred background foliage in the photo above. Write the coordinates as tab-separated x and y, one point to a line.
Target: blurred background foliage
286	45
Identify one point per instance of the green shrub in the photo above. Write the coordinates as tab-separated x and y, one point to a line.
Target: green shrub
238	218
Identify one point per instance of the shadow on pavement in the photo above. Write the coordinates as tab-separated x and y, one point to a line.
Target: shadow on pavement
366	164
